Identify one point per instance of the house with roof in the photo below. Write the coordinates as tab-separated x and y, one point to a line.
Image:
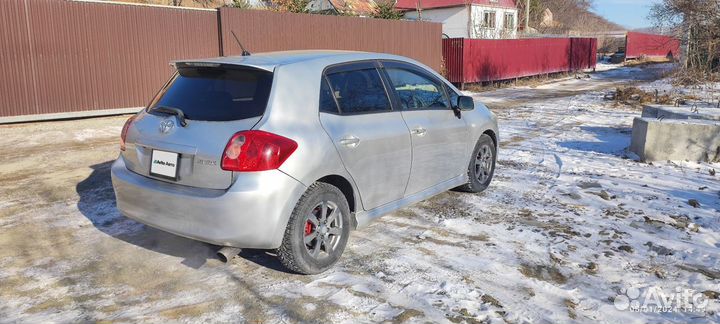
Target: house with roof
489	19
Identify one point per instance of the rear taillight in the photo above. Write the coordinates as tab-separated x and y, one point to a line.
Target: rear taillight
255	150
123	133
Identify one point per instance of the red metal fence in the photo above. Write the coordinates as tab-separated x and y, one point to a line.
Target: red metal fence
480	60
66	56
639	44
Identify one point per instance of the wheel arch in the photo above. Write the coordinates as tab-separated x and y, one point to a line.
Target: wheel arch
346	188
493	136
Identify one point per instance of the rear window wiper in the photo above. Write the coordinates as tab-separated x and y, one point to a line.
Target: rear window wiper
171	111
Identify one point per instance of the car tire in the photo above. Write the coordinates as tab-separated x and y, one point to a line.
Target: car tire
314	241
482	165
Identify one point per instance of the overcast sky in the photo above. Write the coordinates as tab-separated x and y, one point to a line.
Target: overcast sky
629	13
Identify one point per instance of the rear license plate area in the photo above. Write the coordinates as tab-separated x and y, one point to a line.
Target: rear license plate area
164	164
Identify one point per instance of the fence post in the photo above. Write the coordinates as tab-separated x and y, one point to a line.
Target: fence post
221	49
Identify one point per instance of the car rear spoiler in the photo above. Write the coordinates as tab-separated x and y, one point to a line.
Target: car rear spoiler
219	64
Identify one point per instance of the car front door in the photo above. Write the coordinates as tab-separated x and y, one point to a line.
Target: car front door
371	138
438	135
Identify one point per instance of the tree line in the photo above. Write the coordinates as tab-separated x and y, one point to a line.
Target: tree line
568	16
697	24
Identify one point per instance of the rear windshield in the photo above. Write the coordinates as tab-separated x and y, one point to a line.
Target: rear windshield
216	94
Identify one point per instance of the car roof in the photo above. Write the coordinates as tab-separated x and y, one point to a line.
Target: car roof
269	60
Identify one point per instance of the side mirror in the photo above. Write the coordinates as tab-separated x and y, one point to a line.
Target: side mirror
465	103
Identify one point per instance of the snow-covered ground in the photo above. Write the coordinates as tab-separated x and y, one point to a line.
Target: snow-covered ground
576	85
605	66
571	230
702	95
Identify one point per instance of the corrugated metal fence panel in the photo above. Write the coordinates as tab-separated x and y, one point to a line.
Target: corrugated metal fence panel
73	56
640	44
492	60
489	60
17	88
453	59
263	31
66	56
583	53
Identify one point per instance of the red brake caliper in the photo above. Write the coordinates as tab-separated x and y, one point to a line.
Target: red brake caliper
308	228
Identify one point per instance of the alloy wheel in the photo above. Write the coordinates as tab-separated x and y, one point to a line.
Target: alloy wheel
484	163
323	229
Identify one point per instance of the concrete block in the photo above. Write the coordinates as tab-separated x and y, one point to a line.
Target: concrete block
670	112
676	139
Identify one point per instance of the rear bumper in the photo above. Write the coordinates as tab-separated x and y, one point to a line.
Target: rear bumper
252	213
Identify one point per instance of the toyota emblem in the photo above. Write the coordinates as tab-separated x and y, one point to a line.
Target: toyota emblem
166	126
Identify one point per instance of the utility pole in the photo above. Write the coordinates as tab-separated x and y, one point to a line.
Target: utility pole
419	10
527	16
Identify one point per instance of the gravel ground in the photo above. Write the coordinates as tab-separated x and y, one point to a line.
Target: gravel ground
570	223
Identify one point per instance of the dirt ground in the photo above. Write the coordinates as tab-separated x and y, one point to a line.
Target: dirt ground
560	232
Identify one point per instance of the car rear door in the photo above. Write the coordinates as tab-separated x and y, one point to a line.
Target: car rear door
439	136
370	137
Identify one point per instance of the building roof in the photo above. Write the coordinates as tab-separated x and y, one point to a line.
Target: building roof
433	4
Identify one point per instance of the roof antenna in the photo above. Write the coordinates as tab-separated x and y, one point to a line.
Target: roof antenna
244	52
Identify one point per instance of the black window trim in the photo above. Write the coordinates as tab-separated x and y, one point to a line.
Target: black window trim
415	69
448	90
347	67
325	81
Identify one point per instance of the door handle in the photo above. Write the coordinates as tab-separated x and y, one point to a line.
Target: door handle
419	131
350	141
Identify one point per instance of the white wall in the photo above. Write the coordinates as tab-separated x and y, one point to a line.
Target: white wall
454	20
499	32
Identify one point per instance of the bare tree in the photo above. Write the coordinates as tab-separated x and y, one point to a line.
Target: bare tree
296	6
569	16
697	23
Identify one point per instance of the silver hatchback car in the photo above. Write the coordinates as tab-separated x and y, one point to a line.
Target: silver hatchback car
292	150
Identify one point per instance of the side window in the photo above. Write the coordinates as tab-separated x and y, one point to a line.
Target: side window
359	91
327	102
453	96
417	91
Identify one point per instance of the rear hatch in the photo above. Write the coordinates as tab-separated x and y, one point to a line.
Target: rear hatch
214	102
